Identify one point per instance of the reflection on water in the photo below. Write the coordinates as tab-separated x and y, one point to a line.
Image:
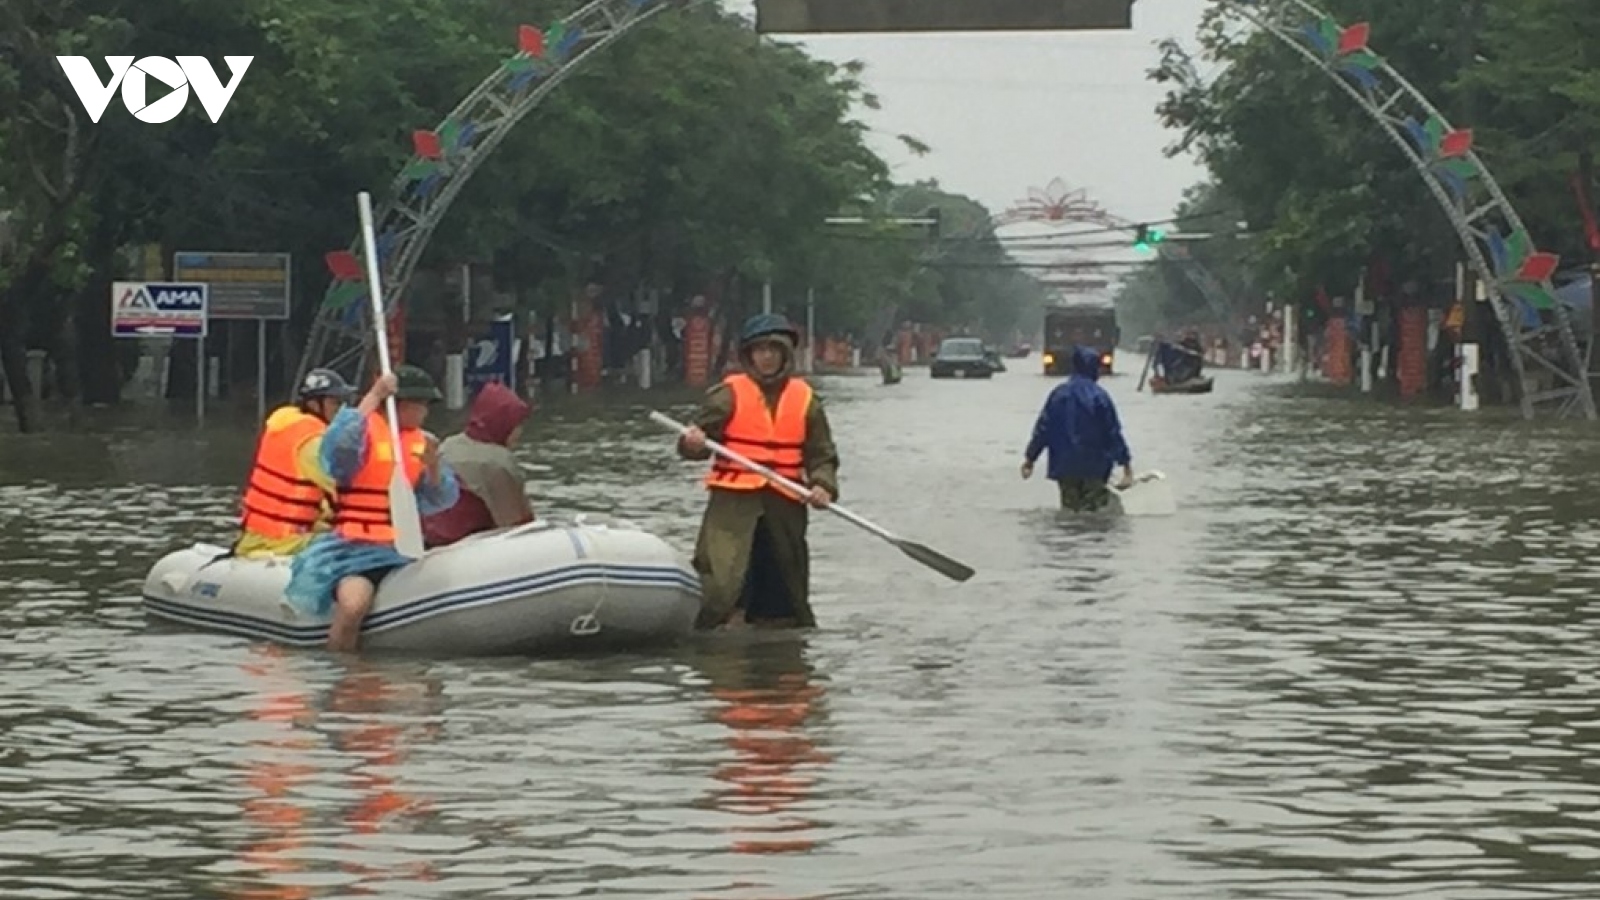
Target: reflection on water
1357	663
386	719
365	726
768	699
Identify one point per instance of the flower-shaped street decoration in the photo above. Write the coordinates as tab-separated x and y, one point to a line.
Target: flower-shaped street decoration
1056	202
1345	50
1522	272
436	153
1445	152
348	292
539	53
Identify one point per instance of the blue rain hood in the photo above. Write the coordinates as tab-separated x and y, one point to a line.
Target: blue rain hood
1086	362
1079	425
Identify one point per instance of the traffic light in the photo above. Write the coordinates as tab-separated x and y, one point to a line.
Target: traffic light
1146	237
936	229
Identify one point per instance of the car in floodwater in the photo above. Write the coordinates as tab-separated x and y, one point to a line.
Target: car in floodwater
961	357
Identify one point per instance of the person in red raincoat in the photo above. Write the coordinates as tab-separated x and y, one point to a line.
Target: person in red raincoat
492	493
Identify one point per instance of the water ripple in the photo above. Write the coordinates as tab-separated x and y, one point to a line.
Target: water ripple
1356	663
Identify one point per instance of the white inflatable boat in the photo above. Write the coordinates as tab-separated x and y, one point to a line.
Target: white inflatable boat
538	588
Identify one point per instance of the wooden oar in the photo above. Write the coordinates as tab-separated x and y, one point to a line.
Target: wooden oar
929	557
1149	358
403	512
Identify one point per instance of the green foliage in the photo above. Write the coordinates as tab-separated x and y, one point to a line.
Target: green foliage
1325	191
691	153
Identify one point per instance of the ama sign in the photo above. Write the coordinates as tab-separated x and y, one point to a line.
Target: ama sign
159	309
134	79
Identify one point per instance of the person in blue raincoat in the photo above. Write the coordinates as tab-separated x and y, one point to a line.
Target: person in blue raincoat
339	572
1080	428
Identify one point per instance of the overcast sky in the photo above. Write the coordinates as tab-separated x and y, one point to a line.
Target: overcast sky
1004	112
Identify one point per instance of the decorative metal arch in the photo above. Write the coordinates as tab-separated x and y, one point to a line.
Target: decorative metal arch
1518	281
444	160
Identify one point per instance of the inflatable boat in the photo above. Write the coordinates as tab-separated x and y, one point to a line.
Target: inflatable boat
540	588
1200	385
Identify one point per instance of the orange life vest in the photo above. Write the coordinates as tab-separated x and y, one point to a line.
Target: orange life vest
776	441
279	501
361	511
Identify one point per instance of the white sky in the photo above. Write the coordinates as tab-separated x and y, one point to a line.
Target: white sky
1004	112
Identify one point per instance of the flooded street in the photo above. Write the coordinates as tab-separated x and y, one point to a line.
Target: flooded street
1357	663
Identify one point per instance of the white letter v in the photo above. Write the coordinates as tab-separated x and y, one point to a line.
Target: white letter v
93	94
213	94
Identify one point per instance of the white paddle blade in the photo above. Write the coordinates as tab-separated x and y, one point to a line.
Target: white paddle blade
407	520
1149	495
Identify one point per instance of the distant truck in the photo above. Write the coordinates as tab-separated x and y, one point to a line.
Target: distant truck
1087	326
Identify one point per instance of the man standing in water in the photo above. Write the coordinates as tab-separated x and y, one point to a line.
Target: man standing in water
752	555
1079	426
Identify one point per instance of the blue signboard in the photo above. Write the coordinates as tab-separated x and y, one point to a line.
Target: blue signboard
491	358
155	309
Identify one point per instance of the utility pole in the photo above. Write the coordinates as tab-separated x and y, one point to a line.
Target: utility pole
811	331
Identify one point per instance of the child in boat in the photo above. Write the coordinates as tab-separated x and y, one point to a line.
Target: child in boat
492	491
1079	426
341	570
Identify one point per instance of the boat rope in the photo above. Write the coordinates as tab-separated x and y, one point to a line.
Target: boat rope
588	624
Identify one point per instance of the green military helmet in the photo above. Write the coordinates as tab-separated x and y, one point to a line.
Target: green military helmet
415	384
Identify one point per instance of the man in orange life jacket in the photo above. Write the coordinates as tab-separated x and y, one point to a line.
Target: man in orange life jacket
341	570
752	555
286	498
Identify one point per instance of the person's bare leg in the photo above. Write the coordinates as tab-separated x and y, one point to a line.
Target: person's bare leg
352	600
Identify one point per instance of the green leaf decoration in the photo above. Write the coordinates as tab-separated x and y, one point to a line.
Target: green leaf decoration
344	293
1435	129
1534	294
418	169
1330	33
1517	250
1364	59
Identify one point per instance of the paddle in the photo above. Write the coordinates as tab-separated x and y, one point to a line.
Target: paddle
929	557
1147	360
1148	495
402	500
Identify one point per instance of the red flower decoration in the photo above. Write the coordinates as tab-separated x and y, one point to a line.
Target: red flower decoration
1456	143
426	144
530	40
1354	38
1538	267
344	265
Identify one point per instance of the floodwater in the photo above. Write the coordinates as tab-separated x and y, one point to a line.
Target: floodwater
1357	663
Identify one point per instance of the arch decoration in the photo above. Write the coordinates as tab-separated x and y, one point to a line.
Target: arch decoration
1515	274
1497	244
